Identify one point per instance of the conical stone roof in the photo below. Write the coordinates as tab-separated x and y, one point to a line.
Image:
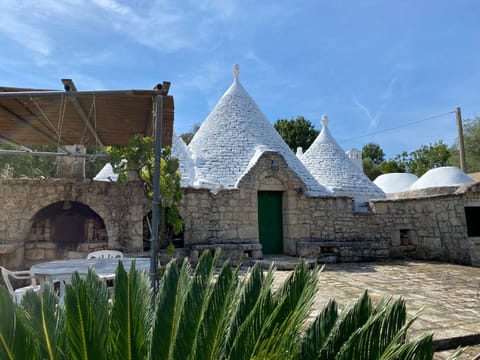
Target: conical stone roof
186	168
332	168
232	135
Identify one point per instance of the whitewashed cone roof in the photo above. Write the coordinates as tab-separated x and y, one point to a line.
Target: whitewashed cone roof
232	135
332	168
186	167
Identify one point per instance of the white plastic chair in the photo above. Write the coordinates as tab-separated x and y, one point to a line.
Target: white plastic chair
18	293
105	254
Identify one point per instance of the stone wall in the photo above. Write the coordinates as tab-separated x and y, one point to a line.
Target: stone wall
121	207
412	225
418	226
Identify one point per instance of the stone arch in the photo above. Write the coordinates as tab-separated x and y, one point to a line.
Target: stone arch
270	183
64	229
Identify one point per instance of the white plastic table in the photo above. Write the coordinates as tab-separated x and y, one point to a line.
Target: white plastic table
105	268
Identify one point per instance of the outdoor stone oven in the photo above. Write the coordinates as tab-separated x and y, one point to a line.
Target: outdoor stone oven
67	218
63	227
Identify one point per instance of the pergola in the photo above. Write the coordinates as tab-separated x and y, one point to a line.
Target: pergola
100	118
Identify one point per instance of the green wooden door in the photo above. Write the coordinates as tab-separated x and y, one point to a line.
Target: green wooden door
270	226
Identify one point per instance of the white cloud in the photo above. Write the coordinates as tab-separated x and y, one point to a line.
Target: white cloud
388	93
374	119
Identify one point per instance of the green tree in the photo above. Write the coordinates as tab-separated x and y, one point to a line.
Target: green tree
471	139
373	152
371	169
418	162
298	132
138	157
372	157
188	136
203	314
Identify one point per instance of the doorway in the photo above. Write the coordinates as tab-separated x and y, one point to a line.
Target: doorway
270	225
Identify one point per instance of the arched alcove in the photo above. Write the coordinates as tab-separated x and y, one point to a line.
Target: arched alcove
62	227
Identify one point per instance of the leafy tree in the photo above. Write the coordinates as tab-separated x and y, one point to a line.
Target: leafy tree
138	157
298	132
188	136
371	169
471	138
372	157
373	152
203	314
392	166
418	162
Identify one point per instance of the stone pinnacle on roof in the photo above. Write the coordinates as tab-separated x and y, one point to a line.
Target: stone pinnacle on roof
236	73
329	164
232	135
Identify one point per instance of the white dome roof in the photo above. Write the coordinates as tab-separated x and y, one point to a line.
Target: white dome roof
332	168
232	135
442	176
395	182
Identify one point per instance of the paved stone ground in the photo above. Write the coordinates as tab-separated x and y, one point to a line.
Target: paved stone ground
447	294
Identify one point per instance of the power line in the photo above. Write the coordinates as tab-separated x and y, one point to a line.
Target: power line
400	126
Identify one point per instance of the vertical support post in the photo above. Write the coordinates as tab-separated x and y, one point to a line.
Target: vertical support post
461	144
158	118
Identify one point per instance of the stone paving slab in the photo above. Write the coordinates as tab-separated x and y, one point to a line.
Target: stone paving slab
447	294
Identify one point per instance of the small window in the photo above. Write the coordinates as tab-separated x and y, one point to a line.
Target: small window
405	237
472	214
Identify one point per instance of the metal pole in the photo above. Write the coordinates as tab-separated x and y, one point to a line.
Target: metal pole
158	118
461	144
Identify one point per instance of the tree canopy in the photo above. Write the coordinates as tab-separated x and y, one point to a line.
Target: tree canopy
298	132
471	138
416	162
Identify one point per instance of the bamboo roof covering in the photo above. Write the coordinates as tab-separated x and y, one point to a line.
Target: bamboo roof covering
103	118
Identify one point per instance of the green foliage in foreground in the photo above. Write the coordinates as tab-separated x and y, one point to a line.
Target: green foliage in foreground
203	314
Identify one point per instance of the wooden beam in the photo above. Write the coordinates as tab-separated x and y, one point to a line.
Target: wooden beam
70	87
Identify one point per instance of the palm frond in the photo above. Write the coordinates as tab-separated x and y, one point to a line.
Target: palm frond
15	339
194	307
351	319
375	336
87	321
318	332
280	335
46	322
130	316
246	296
211	334
418	349
168	307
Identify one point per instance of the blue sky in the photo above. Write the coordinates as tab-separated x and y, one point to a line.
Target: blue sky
370	65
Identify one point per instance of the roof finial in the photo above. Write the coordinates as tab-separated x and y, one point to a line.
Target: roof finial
236	72
325	120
